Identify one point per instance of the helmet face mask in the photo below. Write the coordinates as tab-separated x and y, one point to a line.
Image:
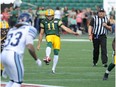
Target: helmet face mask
50	17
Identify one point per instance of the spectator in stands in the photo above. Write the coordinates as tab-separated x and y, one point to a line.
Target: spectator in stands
65	18
10	10
112	22
36	20
84	21
5	14
13	17
72	12
58	13
41	14
112	12
79	18
31	13
97	8
73	23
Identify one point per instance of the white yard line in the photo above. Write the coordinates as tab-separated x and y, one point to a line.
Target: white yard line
72	40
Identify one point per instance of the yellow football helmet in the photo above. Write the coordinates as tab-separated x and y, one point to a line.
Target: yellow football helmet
49	12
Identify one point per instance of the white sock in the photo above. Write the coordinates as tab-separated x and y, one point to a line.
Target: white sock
48	51
55	61
9	84
107	72
16	85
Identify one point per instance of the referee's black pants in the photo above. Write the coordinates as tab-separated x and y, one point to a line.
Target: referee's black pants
100	41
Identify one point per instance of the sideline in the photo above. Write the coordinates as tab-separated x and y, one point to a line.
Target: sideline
71	40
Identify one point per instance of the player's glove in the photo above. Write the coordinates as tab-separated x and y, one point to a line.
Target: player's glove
39	63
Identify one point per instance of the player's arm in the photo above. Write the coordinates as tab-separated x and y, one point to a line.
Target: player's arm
29	44
107	26
32	51
60	24
68	30
40	36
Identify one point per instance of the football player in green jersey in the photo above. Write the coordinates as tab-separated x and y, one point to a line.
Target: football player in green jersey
50	26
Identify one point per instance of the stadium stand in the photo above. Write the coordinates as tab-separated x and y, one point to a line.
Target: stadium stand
77	4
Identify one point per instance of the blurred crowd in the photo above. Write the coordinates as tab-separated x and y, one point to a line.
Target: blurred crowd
74	18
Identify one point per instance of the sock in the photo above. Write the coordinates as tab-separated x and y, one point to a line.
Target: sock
16	85
111	66
55	61
48	51
9	84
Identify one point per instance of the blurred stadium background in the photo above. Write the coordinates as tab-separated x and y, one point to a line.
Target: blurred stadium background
77	4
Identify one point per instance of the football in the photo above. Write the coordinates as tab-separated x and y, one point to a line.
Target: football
79	32
47	60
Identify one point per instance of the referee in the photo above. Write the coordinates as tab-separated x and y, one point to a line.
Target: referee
97	34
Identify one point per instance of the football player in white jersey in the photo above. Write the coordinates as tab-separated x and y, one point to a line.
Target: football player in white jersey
18	37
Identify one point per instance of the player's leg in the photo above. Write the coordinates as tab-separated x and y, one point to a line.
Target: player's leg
108	70
18	68
47	59
56	47
49	39
55	59
48	49
110	67
104	56
13	67
95	51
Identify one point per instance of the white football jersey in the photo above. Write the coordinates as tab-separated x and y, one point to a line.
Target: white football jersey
17	37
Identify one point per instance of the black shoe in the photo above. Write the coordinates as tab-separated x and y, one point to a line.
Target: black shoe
105	65
105	76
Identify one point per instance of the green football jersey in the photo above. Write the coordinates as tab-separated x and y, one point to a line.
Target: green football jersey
51	27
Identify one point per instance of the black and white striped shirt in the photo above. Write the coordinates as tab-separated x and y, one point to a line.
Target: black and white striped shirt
98	28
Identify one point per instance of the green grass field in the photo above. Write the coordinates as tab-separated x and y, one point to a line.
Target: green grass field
74	68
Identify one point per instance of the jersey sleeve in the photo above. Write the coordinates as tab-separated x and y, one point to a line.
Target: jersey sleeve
32	32
60	23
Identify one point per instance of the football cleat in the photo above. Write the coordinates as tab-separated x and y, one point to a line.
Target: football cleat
47	60
105	76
